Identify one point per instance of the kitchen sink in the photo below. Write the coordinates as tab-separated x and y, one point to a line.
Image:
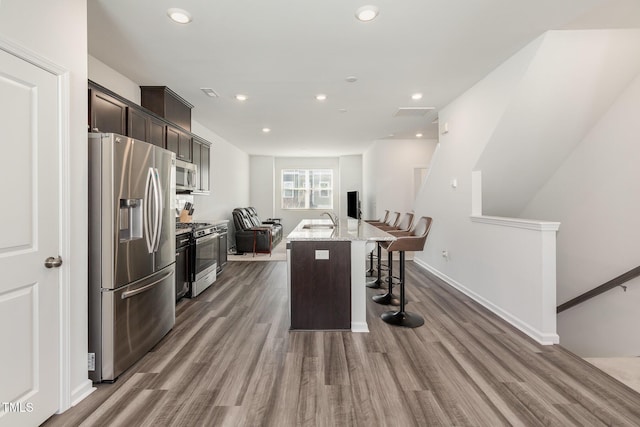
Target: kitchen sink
318	226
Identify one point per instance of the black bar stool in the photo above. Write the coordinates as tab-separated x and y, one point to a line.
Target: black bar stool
407	241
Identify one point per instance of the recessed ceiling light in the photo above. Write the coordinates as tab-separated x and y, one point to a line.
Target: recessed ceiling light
241	97
342	110
266	130
351	79
416	96
180	16
321	97
418	135
367	13
209	92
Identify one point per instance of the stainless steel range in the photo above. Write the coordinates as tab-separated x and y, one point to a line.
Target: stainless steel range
205	259
197	257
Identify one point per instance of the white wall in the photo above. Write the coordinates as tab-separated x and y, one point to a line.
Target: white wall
388	170
498	264
588	192
595	196
350	180
101	73
570	83
57	30
262	184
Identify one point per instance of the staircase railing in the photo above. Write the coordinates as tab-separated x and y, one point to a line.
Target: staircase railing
618	281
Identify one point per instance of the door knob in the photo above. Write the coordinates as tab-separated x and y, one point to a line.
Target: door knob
52	262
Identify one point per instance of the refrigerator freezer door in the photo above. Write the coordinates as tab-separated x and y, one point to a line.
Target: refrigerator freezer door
133	319
166	182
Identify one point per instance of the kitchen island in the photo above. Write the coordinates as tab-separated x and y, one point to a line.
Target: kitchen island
326	273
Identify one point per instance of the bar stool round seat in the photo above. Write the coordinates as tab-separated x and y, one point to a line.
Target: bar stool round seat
413	240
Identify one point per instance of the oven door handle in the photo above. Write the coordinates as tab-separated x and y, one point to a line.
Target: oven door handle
206	238
145	288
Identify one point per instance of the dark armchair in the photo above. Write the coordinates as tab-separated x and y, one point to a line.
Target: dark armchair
254	235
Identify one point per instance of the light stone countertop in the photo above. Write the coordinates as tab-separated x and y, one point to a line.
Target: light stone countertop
348	229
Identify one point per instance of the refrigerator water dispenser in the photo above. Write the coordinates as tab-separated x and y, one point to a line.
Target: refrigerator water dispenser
130	219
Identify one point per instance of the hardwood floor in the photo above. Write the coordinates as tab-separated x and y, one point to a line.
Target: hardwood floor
231	361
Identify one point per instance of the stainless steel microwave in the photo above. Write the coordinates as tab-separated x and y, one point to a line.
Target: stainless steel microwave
186	174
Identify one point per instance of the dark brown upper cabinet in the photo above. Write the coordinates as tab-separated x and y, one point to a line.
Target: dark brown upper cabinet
138	124
167	104
179	142
157	132
107	113
202	159
143	126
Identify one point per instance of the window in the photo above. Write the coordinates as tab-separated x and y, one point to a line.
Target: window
307	189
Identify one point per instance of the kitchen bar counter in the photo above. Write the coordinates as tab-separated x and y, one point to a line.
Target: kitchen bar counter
347	229
326	276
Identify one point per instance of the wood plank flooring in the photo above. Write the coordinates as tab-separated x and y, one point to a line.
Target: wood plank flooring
231	361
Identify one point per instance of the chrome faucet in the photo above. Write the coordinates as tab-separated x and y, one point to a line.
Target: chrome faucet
333	218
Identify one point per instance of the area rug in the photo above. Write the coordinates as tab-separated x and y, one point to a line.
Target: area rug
279	253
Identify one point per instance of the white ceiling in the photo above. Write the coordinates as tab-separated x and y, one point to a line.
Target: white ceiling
281	53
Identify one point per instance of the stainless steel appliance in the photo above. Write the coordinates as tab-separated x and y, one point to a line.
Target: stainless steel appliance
184	252
131	251
205	260
222	230
185	176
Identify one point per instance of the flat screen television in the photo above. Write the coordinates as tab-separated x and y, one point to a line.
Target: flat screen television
353	204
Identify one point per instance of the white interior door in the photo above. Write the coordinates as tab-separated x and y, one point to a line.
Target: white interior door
30	193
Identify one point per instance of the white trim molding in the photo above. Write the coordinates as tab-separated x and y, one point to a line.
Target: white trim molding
528	224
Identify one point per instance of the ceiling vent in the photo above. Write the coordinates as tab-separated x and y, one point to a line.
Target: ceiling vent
209	92
413	111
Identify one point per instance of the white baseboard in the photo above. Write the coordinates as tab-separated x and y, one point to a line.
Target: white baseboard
539	336
81	392
359	327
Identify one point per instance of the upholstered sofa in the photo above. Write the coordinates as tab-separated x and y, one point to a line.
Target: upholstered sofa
253	234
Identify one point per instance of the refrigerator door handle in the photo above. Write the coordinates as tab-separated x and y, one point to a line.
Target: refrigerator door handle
146	212
159	209
145	288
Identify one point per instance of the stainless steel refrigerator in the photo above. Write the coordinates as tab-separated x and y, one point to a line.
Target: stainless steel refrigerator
131	251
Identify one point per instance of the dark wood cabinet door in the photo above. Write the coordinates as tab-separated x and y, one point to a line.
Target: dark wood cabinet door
179	142
320	285
201	158
205	162
107	113
157	132
138	124
184	147
173	139
196	161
